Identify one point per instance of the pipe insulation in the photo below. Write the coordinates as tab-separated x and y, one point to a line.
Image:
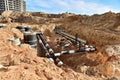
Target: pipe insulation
45	49
74	51
70	37
50	50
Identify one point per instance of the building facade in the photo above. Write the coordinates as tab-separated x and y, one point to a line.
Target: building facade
12	5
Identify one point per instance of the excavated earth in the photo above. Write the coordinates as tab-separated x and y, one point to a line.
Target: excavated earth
23	63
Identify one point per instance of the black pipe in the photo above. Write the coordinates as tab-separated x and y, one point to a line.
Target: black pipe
45	49
81	50
70	37
50	50
30	38
76	38
69	52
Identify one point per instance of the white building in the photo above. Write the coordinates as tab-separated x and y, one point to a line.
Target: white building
13	5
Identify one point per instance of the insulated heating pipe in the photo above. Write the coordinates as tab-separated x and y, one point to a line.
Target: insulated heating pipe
75	51
69	52
45	49
50	50
70	37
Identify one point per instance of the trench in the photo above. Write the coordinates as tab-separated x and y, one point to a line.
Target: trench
77	59
67	56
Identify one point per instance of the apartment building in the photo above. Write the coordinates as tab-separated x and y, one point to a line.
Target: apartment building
13	5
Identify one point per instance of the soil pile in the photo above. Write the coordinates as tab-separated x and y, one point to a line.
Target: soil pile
22	62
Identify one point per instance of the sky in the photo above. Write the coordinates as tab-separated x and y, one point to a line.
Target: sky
87	7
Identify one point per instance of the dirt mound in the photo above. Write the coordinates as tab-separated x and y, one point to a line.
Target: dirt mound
31	17
22	63
98	30
7	13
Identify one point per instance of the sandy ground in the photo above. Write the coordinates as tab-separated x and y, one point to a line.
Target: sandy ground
22	63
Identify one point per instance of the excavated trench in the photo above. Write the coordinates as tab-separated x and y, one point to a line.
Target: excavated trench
73	58
76	60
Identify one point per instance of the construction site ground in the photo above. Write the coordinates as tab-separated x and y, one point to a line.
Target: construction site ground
23	63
